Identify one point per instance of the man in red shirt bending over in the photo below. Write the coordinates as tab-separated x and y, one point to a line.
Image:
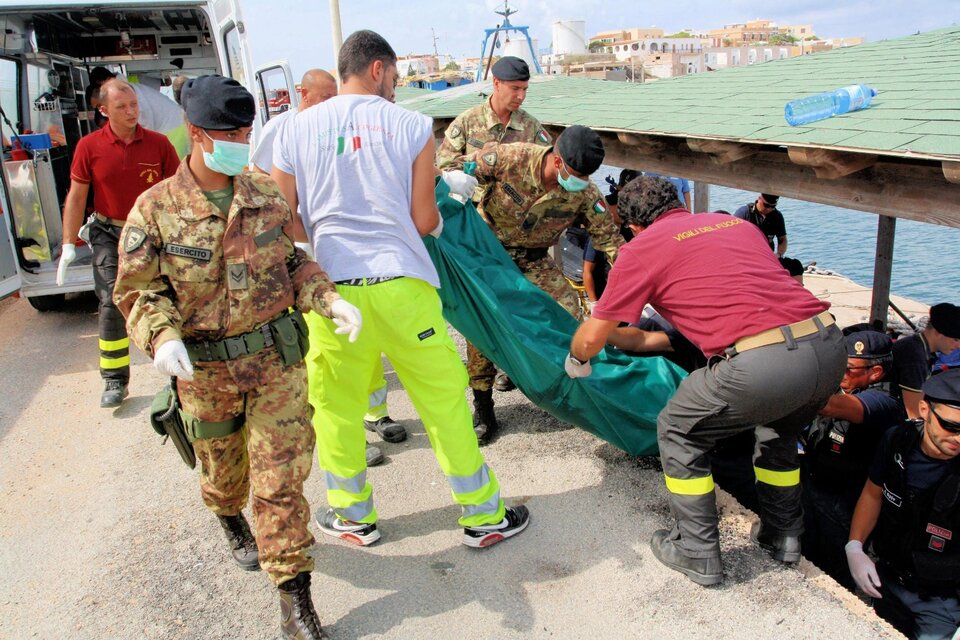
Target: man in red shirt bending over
775	356
120	161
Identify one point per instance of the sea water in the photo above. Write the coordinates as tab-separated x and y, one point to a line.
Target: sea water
926	257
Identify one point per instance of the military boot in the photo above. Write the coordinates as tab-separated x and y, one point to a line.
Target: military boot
114	391
298	619
484	420
242	543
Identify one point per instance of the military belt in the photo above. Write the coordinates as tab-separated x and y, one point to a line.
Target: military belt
237	346
530	253
365	282
107	220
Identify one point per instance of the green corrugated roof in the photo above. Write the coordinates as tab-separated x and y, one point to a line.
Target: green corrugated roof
916	113
407	93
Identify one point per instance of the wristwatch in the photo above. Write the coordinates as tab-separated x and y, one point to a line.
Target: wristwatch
577	361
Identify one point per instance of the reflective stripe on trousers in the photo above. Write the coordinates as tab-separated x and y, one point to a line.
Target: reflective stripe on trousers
402	319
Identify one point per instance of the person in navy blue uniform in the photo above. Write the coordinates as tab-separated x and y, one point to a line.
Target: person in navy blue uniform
839	446
910	506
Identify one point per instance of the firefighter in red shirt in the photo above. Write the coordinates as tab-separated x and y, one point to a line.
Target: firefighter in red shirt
120	161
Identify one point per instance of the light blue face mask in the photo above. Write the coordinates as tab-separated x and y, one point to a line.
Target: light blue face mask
571	183
228	158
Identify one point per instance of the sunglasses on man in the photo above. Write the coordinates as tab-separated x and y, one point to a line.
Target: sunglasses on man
947	425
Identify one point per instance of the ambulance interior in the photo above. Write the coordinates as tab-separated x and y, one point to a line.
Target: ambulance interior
45	60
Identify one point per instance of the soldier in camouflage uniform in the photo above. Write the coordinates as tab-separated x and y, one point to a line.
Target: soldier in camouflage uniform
532	194
207	278
499	119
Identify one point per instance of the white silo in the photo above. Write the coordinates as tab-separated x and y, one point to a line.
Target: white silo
517	46
568	37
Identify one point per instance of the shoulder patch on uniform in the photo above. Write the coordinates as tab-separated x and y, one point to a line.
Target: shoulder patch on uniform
455	131
133	238
543	137
600	206
490	158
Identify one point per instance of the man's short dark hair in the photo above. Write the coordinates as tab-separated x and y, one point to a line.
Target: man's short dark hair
362	49
644	199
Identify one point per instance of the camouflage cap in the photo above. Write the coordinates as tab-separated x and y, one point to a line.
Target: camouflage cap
581	149
217	103
511	68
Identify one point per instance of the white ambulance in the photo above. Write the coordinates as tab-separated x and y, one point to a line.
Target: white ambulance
46	54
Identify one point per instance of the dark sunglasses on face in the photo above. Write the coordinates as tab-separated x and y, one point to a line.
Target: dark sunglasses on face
946	425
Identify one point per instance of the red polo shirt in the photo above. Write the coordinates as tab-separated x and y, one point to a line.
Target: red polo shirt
119	171
712	276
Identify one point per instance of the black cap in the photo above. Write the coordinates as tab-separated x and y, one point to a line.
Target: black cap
943	388
869	345
511	68
770	199
945	318
581	149
217	103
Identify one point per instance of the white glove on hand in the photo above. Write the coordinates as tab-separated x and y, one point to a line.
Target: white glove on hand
862	568
437	230
67	256
576	370
171	359
347	318
460	183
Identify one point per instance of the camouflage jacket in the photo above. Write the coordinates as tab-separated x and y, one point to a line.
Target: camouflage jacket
188	272
523	213
479	125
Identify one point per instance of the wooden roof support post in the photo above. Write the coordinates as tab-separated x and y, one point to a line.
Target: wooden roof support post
701	196
882	269
830	165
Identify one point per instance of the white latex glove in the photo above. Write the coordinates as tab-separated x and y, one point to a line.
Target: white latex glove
347	318
67	256
575	370
171	359
460	183
437	230
862	568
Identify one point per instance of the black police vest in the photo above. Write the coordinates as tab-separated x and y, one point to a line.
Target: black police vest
918	534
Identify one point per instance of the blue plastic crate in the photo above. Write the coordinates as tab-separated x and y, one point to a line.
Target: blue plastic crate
33	141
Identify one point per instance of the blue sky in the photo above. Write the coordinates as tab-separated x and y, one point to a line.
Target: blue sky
299	30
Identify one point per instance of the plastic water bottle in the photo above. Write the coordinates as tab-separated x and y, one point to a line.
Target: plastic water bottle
826	105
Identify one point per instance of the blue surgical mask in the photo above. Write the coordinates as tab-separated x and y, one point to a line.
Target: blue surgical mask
228	158
571	183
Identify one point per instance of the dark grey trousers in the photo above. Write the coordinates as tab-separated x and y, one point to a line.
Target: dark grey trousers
774	391
114	344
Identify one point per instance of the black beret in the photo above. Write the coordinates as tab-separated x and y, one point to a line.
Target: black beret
943	388
217	103
945	318
511	68
769	198
869	345
581	149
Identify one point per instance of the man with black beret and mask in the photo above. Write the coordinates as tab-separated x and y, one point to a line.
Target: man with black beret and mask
212	287
532	194
913	356
775	357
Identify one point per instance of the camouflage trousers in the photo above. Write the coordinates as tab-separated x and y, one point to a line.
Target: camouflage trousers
544	273
272	453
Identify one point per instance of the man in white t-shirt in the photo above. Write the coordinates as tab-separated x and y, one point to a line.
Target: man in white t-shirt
318	86
362	170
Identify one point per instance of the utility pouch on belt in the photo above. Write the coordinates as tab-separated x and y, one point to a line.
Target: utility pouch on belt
290	337
166	421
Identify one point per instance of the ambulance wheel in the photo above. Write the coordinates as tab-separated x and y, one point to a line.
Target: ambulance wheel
47	303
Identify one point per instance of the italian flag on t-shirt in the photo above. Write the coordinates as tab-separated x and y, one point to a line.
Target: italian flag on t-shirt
342	144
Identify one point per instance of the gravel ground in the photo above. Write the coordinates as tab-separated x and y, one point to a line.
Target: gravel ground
103	534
